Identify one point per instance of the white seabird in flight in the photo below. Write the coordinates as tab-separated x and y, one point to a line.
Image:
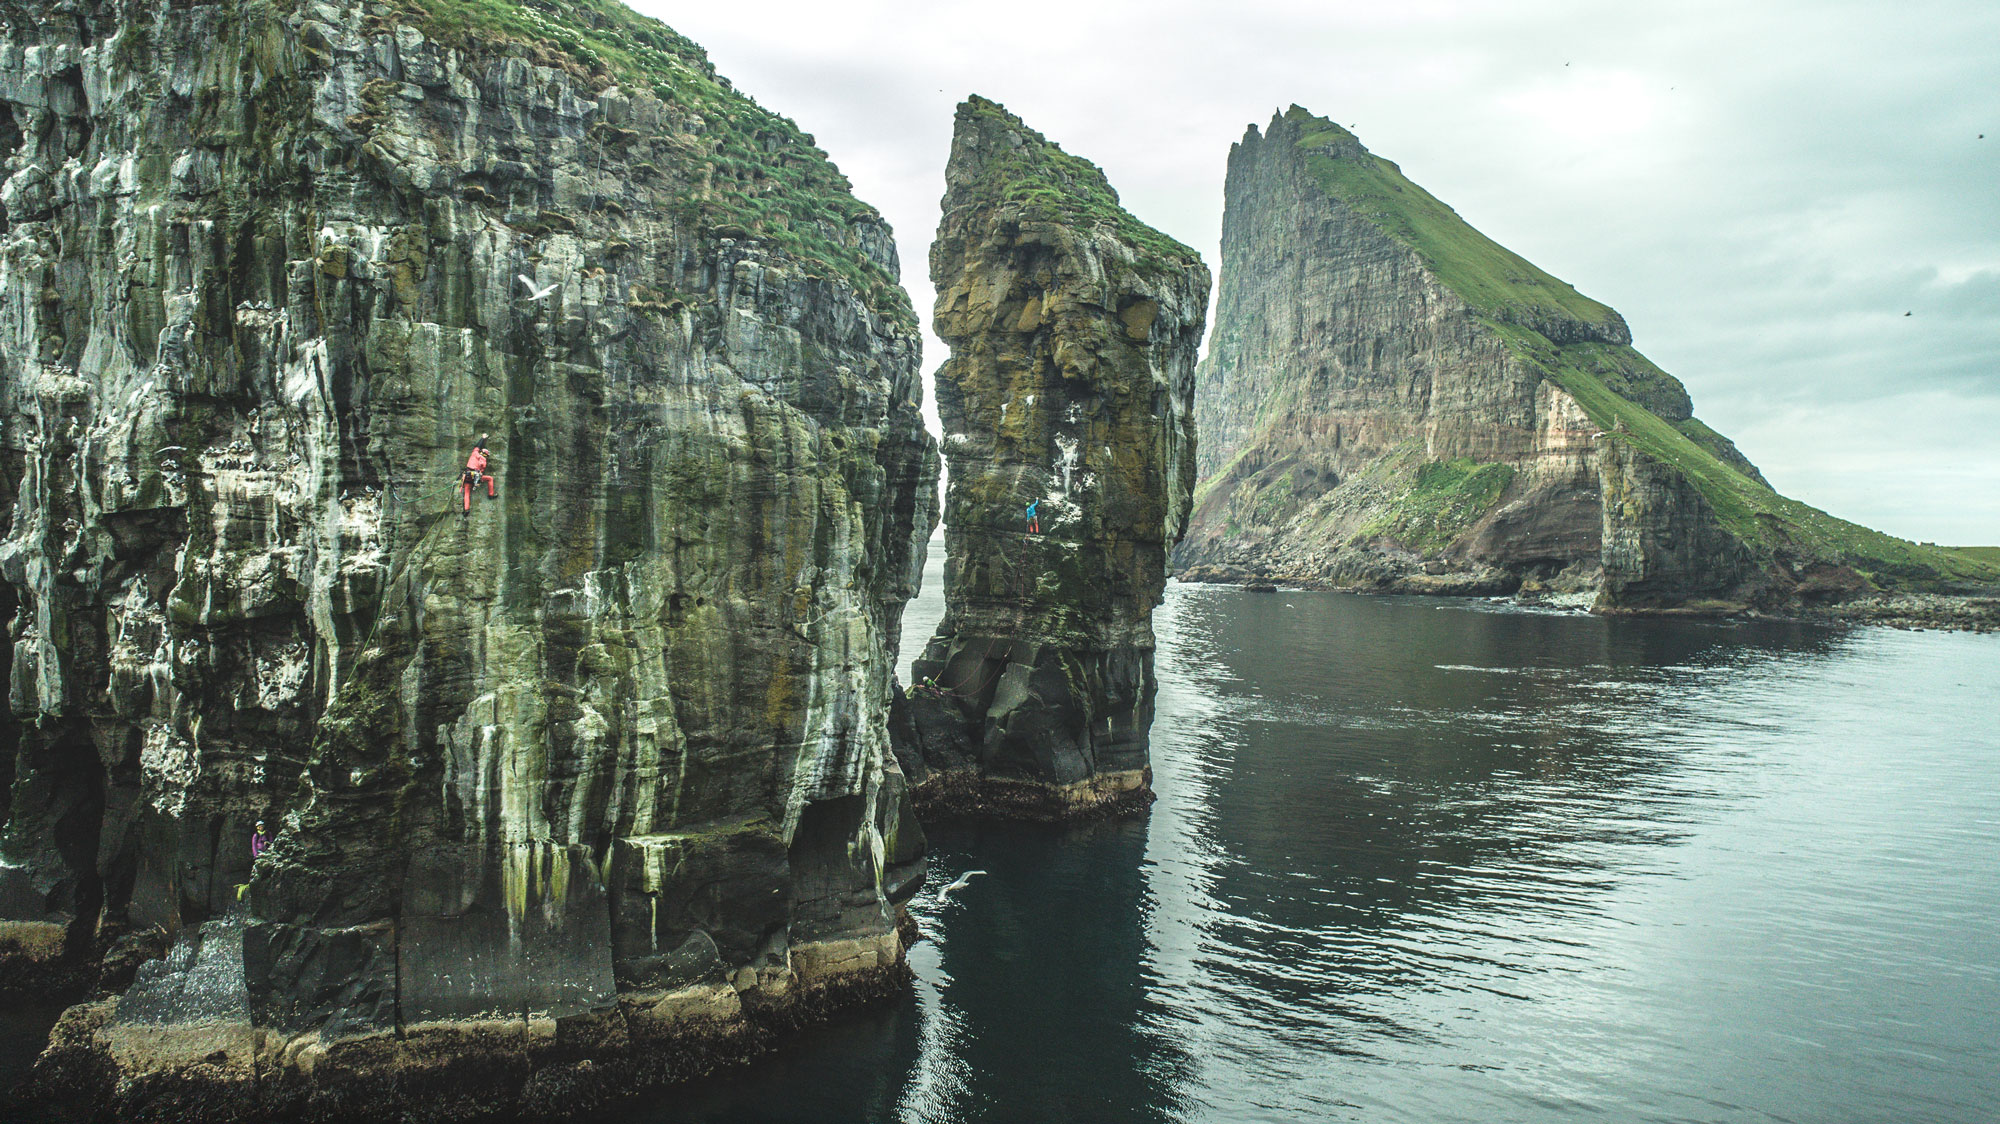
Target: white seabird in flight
964	880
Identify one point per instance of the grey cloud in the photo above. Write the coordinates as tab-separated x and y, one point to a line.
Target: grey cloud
1762	190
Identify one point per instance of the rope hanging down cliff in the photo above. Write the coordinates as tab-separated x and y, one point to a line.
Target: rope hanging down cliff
930	687
426	544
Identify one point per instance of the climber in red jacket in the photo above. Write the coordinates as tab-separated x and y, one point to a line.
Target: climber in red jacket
475	471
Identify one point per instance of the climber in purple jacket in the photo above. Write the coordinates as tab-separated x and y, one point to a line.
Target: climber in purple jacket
259	841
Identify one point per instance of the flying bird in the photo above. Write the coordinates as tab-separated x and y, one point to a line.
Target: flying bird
1906	314
535	294
964	880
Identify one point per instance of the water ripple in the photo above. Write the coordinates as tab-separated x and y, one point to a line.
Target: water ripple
1419	861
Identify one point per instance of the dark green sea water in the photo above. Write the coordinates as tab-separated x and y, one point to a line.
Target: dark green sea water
1426	861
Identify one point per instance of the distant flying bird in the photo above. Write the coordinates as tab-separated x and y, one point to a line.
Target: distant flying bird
535	294
1906	314
964	880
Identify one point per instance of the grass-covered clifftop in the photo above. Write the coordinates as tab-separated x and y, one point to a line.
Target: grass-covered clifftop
1493	279
1748	508
1055	186
1581	345
748	170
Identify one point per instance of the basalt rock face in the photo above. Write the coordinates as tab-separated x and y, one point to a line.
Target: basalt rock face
1390	400
586	787
1073	331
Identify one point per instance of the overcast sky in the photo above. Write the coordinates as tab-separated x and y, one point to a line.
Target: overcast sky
1762	189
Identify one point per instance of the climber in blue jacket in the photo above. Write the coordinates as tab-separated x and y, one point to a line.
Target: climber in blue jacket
1034	521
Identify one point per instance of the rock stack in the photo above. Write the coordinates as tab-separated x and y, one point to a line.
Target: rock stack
1067	408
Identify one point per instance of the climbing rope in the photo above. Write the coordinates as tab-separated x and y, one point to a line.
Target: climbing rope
932	689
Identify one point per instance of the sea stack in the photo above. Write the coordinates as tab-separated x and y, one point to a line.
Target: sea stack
579	786
1069	437
1393	401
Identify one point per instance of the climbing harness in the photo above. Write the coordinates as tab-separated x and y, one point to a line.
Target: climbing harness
475	471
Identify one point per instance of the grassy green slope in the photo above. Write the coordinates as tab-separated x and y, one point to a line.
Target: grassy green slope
1748	509
1977	557
1439	502
1493	279
766	176
1059	187
1612	382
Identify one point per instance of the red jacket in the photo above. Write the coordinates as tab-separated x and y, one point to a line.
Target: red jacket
477	461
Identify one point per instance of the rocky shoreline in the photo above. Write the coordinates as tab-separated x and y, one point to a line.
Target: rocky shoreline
1954	612
97	1069
963	794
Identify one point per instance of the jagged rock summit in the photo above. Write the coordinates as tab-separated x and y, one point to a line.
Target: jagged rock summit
1067	408
1391	400
584	787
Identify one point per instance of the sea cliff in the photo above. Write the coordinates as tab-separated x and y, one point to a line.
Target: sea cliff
585	786
1392	401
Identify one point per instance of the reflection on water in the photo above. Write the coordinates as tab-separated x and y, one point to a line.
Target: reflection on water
1421	861
1049	951
1435	861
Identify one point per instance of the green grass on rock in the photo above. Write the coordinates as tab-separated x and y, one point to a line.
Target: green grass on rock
1055	186
766	177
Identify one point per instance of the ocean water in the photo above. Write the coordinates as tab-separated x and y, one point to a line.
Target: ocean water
1419	860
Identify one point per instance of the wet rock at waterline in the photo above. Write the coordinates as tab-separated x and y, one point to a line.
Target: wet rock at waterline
586	786
1067	410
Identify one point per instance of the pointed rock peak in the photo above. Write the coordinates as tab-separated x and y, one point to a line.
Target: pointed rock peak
996	158
1493	280
995	154
1319	134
